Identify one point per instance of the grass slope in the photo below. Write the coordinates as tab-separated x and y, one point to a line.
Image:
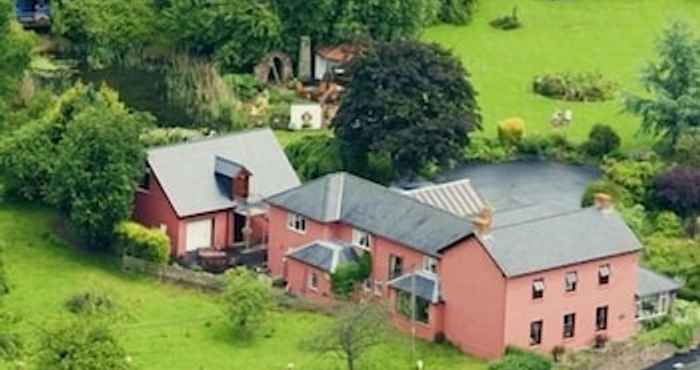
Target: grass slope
614	37
169	327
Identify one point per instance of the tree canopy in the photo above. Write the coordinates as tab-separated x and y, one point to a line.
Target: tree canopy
247	301
411	101
15	49
673	85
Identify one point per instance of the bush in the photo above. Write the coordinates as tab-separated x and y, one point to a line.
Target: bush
617	192
687	148
678	335
553	146
575	87
511	131
457	11
247	301
485	149
669	225
507	22
602	140
315	156
347	276
11	343
245	86
165	136
91	303
635	176
138	241
679	190
516	359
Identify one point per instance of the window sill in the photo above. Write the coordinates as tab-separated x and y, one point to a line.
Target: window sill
300	232
143	191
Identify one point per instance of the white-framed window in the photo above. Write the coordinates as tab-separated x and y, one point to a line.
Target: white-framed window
313	281
163	228
604	274
538	289
296	222
361	239
571	281
430	264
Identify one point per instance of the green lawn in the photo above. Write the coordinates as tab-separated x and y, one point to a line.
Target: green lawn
169	327
614	37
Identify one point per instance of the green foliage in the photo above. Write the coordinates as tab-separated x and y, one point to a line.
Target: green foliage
15	54
484	149
635	176
98	163
245	86
679	258
236	33
247	301
417	119
4	281
105	32
554	146
617	192
581	87
669	225
12	344
91	303
314	156
516	359
135	240
511	131
673	85
602	140
507	22
677	329
637	218
346	277
687	149
457	11
82	345
380	20
159	136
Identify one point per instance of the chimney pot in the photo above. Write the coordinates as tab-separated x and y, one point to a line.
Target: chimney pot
483	223
603	201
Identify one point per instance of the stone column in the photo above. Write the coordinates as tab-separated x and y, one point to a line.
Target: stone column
304	66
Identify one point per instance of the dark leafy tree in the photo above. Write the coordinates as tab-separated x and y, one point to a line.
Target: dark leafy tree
602	140
356	328
411	101
98	164
314	156
672	84
679	190
237	33
380	20
82	345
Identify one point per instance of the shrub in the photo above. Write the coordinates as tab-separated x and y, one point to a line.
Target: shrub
315	156
91	303
678	189
507	22
485	149
516	359
558	352
669	225
575	86
511	131
347	276
602	140
165	136
635	176
247	301
617	192
11	343
553	146
676	334
138	241
245	86
637	219
687	148
457	11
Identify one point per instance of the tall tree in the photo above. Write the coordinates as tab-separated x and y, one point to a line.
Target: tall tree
247	301
356	328
408	100
98	164
15	49
673	86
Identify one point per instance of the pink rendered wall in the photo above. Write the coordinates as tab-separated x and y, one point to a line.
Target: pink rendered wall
220	235
152	208
298	275
618	295
474	291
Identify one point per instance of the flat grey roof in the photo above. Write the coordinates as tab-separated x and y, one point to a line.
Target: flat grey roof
187	171
652	283
342	197
324	255
426	286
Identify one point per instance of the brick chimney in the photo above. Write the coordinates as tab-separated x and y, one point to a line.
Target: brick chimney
603	201
483	223
241	185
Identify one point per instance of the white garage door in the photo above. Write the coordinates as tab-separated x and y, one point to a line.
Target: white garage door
199	234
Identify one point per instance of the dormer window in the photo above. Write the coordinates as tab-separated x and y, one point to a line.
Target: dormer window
232	177
361	239
296	222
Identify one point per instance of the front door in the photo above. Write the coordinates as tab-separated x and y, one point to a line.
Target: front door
199	234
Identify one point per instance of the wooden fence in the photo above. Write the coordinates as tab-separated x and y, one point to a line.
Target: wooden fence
174	273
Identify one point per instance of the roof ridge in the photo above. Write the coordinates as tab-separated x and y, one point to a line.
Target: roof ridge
212	138
438	186
543	218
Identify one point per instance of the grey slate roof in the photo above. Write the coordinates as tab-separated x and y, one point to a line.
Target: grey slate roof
187	171
342	197
325	255
226	167
457	197
651	283
560	240
426	286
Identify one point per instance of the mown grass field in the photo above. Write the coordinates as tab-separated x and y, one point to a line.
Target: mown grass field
167	327
614	37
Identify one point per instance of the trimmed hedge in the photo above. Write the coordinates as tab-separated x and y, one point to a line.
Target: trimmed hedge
517	359
602	140
575	86
138	241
